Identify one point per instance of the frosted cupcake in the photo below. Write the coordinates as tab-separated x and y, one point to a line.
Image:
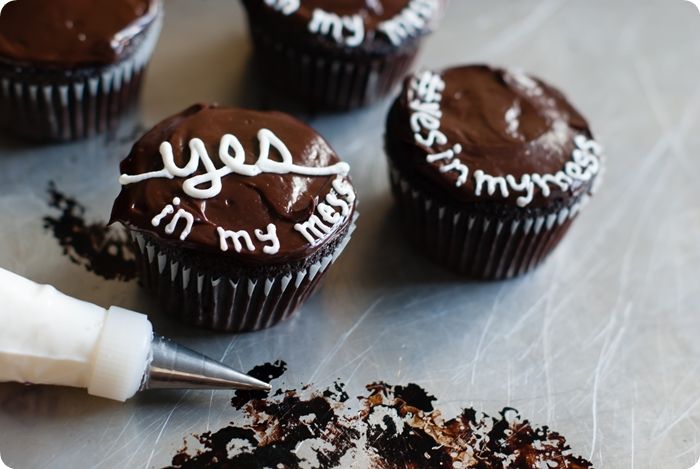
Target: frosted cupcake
70	68
236	215
338	54
490	168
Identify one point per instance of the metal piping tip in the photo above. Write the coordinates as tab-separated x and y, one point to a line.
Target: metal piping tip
174	366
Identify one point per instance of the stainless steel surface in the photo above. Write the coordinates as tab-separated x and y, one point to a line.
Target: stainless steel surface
176	367
600	343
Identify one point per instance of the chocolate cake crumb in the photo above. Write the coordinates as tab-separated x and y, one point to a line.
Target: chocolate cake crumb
338	392
102	250
396	427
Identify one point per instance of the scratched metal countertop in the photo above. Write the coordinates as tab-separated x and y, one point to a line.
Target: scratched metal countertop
600	343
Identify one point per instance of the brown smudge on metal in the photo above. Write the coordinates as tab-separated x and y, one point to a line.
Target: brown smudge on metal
267	372
101	249
396	427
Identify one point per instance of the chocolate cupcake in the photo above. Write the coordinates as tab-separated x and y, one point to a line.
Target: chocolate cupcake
236	215
489	167
335	55
70	68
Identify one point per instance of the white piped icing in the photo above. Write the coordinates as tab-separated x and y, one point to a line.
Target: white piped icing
410	22
322	223
241	239
233	164
271	236
180	214
425	97
492	184
236	237
287	7
336	208
351	31
167	210
347	30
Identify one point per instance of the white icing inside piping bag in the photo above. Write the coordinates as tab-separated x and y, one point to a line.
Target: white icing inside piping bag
47	337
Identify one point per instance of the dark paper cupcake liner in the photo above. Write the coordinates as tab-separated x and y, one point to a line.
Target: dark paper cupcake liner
53	106
244	303
479	245
322	81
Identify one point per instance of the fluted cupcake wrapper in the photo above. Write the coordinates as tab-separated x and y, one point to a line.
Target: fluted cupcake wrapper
76	105
227	304
324	82
477	245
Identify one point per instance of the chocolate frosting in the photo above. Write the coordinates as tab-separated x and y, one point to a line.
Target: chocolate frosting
245	202
71	32
372	12
506	123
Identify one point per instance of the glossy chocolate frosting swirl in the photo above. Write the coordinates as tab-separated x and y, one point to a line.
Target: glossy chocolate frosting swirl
506	123
70	33
245	202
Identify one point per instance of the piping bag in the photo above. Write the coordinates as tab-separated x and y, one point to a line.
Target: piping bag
47	337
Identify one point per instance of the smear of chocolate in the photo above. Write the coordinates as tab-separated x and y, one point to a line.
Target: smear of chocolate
409	437
276	427
267	372
337	393
397	427
100	249
414	395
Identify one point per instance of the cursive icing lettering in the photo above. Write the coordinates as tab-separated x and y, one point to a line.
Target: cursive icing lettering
181	214
410	21
321	224
425	99
241	239
208	184
287	7
348	30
